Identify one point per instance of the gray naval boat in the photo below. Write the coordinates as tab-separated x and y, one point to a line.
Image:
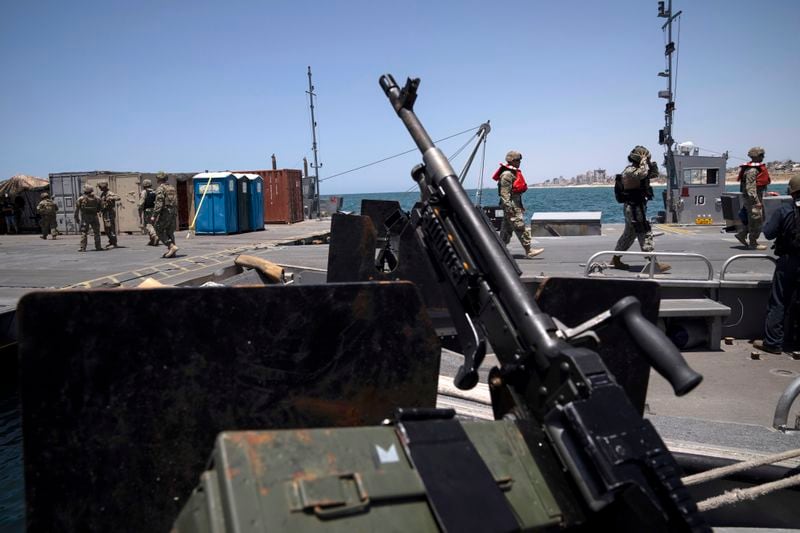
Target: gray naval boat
413	374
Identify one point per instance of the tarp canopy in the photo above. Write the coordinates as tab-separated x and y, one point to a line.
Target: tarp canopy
21	182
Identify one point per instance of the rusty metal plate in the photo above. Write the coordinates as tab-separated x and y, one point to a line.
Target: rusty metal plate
122	402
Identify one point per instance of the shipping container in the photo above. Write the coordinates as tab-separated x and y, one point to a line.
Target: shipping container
182	181
215	203
283	195
126	186
66	187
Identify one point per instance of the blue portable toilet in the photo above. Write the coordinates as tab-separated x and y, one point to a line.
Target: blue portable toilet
256	202
215	211
243	202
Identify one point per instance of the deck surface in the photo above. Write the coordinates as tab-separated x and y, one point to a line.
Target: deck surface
736	400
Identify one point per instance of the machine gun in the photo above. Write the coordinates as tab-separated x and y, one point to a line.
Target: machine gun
617	461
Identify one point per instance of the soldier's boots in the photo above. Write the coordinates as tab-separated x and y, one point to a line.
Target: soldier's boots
742	238
764	347
532	252
755	246
44	237
172	250
660	267
616	262
81	249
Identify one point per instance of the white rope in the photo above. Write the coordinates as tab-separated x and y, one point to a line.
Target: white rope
738	495
723	471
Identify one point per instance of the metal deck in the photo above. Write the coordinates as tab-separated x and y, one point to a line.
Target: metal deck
737	398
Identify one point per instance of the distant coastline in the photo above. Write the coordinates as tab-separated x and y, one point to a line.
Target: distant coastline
779	181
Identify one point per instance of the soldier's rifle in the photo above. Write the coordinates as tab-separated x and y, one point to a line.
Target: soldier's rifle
615	458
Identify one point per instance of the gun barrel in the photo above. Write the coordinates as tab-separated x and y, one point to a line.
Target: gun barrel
534	326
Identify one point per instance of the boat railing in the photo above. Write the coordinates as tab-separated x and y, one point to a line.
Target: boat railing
737	257
786	400
651	267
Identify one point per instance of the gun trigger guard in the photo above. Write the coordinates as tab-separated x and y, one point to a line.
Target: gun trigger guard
467	376
584	336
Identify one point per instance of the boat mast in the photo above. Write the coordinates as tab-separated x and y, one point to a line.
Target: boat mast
665	135
313	210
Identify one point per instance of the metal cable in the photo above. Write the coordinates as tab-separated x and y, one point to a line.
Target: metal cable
396	155
483	167
459	150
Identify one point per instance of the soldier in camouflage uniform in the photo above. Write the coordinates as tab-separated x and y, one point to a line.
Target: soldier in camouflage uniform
86	210
108	208
46	209
147	202
636	192
753	182
165	214
510	187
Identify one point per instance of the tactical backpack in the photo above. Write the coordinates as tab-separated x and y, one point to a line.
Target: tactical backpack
149	199
619	190
170	196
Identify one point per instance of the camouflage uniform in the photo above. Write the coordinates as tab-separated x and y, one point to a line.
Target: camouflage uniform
513	210
46	209
636	184
86	210
146	205
636	224
108	201
165	214
753	196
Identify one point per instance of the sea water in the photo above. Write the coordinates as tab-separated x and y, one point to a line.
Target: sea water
540	199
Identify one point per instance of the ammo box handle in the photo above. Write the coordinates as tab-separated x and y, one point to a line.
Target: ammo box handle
334	511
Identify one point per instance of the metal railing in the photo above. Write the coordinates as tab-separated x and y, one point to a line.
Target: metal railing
741	256
651	267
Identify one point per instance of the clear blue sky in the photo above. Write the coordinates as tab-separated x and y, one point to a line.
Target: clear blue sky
195	85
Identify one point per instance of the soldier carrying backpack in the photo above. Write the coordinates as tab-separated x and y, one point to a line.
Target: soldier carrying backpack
165	214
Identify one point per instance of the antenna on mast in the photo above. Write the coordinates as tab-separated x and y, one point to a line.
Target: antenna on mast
665	134
313	181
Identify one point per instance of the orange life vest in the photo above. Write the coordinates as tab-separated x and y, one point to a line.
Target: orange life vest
519	184
762	180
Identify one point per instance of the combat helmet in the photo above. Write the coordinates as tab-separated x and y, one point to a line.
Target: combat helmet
755	152
161	176
637	154
88	189
102	184
513	155
44	195
147	184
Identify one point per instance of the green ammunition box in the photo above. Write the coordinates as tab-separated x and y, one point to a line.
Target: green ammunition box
349	479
